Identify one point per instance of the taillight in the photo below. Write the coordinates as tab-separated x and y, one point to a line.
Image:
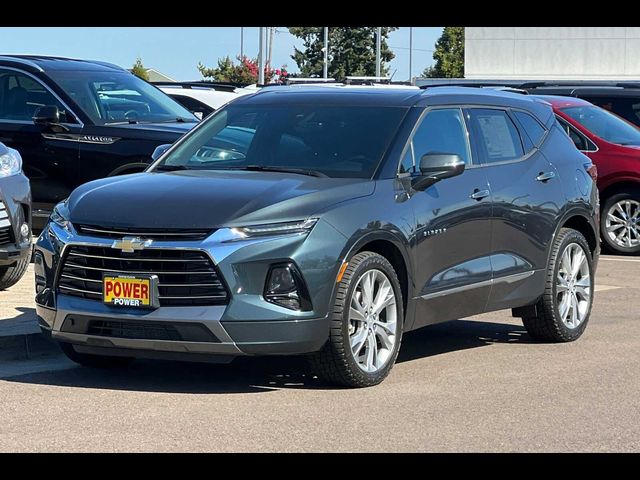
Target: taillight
592	170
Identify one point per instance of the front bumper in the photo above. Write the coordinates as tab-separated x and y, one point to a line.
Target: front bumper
15	196
247	325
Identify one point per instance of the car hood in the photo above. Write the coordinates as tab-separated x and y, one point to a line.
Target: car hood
207	199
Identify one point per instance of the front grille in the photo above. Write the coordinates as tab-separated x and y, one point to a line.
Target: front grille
154	234
6	235
185	277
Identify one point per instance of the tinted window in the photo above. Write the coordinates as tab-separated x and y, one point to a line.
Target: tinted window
21	96
626	107
605	124
498	137
442	131
581	142
531	126
109	97
338	141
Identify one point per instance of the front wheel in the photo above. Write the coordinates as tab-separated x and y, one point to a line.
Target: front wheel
561	315
620	223
9	276
366	327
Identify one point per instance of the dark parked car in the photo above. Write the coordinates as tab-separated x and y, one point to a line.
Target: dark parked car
614	146
15	218
327	221
75	121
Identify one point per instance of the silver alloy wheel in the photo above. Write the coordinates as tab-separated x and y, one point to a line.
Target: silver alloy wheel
623	223
372	321
573	286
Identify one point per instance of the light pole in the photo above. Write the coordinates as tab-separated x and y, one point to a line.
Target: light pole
378	43
411	54
241	42
325	65
261	57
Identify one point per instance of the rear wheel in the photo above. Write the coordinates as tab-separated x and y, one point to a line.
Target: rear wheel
9	276
366	328
94	361
561	315
620	223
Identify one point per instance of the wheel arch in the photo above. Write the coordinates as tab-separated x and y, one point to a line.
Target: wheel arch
580	221
621	186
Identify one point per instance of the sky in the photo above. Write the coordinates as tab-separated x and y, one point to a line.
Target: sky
176	51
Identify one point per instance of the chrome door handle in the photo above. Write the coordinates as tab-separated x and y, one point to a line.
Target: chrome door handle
544	176
479	194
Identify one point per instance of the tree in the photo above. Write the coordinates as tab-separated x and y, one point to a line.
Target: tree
245	72
139	70
352	51
448	54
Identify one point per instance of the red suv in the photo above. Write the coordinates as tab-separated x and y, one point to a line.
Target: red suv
613	144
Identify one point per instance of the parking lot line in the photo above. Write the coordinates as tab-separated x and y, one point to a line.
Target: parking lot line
619	259
602	288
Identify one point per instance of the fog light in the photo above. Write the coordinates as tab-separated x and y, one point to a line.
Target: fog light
24	230
285	287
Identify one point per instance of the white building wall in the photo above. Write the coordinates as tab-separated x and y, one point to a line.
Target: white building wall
552	52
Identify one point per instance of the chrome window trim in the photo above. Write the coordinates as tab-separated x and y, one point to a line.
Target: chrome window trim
22	61
56	96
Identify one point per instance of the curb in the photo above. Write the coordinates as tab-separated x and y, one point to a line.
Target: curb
24	347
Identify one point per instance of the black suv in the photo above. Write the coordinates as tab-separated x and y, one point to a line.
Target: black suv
75	121
327	221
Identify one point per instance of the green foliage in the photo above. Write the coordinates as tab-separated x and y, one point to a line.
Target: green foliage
352	51
448	54
245	72
139	70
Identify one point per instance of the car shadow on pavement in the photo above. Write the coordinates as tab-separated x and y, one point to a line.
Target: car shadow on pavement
264	374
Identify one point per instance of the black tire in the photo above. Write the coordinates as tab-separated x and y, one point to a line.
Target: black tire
9	276
543	321
94	361
335	363
610	245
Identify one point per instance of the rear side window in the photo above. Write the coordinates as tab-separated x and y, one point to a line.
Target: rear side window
497	136
531	126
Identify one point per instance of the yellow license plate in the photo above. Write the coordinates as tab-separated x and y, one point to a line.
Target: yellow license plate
129	291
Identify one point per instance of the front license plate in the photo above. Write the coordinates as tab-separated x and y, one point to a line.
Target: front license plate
130	291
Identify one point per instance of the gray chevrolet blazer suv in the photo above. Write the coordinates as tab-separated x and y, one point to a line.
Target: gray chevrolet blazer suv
327	222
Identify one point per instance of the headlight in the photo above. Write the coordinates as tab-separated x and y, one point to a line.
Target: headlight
10	162
60	215
300	226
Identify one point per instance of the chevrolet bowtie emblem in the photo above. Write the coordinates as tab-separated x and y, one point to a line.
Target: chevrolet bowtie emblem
131	244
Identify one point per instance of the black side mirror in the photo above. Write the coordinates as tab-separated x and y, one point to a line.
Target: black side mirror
159	151
437	166
47	115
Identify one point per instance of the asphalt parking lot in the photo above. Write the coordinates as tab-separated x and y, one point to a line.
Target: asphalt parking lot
477	384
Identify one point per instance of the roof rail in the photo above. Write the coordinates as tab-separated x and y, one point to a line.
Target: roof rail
292	80
222	86
21	61
351	80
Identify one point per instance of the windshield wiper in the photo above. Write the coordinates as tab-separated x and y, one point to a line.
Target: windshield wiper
266	168
170	168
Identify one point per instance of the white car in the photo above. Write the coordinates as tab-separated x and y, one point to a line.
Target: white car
202	98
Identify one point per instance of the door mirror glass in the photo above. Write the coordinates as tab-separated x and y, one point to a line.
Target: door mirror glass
159	151
436	166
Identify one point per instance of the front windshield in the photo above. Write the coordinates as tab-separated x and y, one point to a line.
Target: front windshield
335	141
119	97
605	124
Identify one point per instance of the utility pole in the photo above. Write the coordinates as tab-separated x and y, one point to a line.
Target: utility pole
271	33
378	43
325	65
241	42
261	57
411	54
